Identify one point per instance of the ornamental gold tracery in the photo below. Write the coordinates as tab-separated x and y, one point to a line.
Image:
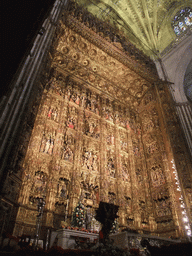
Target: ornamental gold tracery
98	136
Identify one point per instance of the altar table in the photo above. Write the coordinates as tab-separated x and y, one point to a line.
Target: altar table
65	238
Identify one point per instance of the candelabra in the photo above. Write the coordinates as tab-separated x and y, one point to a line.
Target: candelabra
40	207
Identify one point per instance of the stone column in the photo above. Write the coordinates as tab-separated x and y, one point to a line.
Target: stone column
24	83
184	111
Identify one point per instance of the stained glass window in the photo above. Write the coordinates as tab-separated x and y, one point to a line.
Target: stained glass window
177	31
182	20
182	26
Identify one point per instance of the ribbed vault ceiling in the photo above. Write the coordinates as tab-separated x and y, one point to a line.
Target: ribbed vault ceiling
147	23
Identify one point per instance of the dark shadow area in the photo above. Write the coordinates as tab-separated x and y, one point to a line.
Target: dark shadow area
20	22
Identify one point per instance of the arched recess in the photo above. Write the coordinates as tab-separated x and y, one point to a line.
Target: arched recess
172	67
183	106
188	82
180	73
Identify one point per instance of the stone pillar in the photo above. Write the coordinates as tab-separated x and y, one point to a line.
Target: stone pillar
184	111
24	83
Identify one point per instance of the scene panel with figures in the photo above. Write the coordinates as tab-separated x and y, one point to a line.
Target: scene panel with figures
160	190
54	110
108	110
151	144
123	136
67	149
150	120
90	186
57	85
90	172
92	101
124	168
157	175
110	134
162	206
39	186
90	156
111	166
47	142
121	116
72	117
62	195
137	148
50	107
60	191
72	91
139	175
81	96
91	126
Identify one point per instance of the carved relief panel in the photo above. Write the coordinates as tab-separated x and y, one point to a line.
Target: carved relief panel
91	126
90	161
72	118
124	169
48	140
137	148
54	110
62	194
38	186
73	92
157	175
111	164
57	86
121	116
123	140
139	175
110	135
68	147
107	110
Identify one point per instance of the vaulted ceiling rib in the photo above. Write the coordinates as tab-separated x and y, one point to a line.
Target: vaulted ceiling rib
141	20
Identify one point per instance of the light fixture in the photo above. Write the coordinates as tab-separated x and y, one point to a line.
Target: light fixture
185	219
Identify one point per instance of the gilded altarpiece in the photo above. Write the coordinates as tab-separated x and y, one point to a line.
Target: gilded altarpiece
99	135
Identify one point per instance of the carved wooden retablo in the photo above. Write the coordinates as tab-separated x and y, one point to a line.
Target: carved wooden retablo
105	131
